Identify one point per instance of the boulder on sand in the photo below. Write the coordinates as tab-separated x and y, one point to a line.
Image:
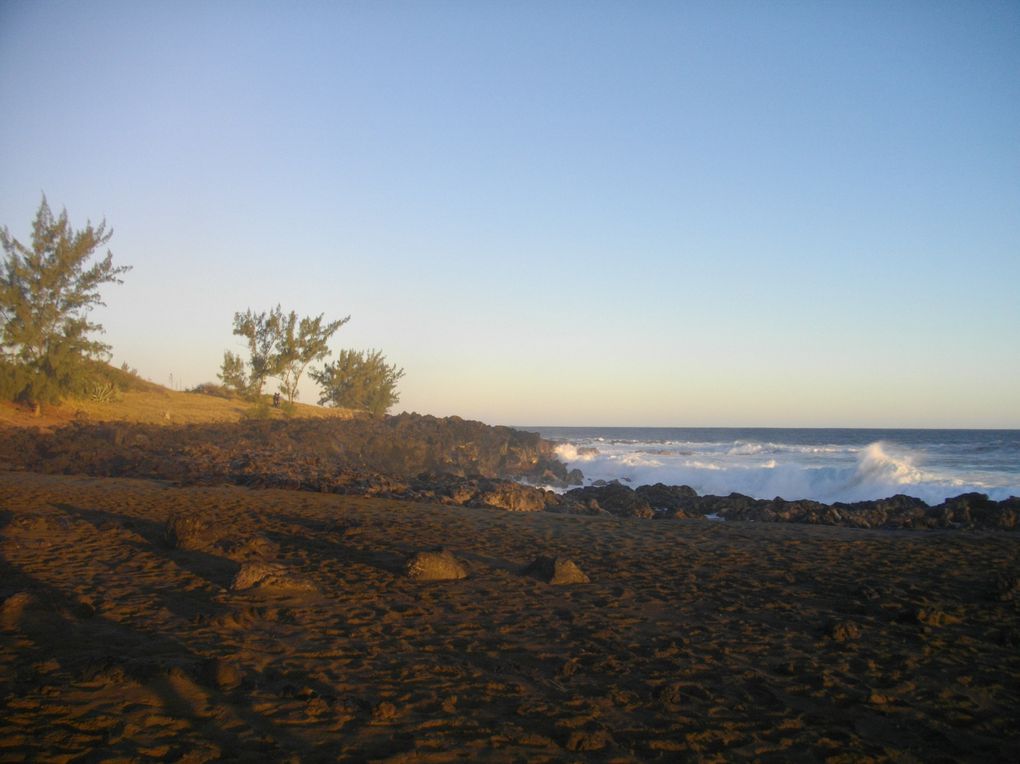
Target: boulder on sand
268	575
556	570
437	565
184	530
248	548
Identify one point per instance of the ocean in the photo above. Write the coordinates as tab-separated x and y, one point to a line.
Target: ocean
822	464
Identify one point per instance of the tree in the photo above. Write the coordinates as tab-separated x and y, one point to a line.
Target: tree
46	293
262	331
233	374
359	380
301	342
278	346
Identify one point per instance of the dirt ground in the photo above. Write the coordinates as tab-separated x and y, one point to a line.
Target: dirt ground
693	640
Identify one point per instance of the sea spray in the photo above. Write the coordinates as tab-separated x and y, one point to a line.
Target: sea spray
824	465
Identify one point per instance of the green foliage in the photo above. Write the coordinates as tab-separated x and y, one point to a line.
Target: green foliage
262	332
123	379
46	293
233	374
103	392
279	345
301	342
360	380
13	380
260	410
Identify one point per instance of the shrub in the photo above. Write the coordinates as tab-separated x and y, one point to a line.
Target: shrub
260	409
217	391
359	380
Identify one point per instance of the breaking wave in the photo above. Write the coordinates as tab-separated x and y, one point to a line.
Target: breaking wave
764	470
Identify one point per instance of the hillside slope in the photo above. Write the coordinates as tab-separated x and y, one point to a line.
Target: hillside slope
145	402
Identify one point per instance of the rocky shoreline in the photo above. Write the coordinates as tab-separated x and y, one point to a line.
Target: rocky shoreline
440	460
191	618
969	510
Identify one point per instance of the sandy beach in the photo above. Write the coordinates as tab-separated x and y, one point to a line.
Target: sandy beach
693	640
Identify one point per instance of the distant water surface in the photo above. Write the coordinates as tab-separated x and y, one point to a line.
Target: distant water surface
822	464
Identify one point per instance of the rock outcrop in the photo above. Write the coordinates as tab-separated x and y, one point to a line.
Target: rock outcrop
299	453
615	498
967	511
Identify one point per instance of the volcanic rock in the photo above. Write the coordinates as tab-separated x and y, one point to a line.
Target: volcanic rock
435	566
512	496
671	500
615	498
256	547
188	531
934	617
14	606
845	631
223	674
555	570
268	575
671	694
589	740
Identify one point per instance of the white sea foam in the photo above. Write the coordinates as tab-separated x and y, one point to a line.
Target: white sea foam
768	469
571	454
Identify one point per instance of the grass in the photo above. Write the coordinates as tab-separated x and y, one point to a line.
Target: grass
149	403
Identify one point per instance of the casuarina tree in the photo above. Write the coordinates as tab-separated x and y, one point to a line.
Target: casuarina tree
262	333
359	380
47	290
302	341
279	345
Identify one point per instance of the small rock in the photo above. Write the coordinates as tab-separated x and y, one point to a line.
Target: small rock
869	592
933	617
267	575
223	674
383	712
250	548
187	531
435	566
556	570
845	631
14	606
594	740
671	694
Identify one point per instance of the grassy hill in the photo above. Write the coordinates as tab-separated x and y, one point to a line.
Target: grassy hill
136	400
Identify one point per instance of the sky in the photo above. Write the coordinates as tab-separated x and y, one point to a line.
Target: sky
551	213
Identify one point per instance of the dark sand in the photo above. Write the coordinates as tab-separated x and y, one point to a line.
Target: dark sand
693	641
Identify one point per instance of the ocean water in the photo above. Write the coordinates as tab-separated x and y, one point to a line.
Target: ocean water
822	464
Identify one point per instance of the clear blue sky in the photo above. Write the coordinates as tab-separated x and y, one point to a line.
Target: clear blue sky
722	213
